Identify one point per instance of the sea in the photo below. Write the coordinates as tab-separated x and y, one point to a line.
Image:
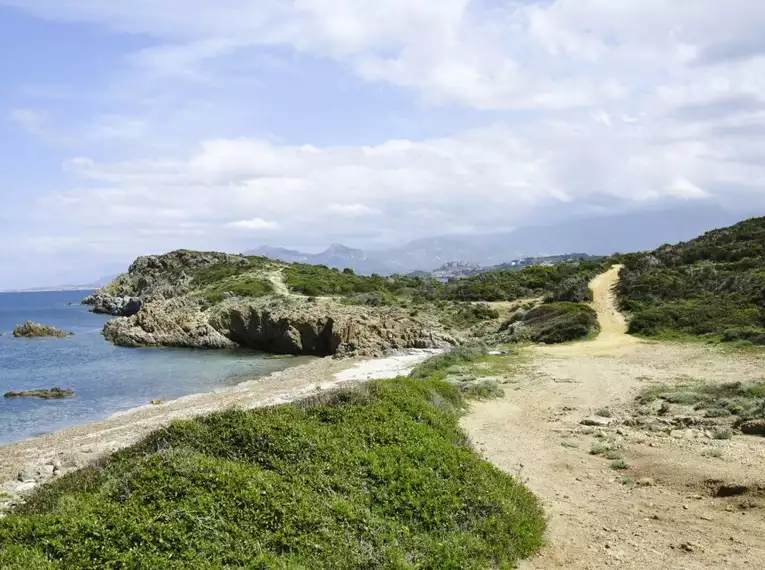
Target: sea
105	378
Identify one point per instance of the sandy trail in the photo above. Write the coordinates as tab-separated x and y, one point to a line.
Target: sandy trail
280	286
25	464
596	521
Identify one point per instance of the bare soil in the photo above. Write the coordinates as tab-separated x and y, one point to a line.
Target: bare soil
686	501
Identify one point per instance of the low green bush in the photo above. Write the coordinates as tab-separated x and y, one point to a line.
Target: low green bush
252	287
376	477
438	366
713	285
554	323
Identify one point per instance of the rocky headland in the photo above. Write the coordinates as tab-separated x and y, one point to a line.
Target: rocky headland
218	301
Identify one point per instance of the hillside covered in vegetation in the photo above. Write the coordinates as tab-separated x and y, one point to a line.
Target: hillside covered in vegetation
216	300
713	285
379	476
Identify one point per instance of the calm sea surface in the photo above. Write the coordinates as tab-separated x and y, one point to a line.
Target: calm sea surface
106	378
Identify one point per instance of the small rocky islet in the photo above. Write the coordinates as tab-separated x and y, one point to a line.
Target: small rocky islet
36	330
50	394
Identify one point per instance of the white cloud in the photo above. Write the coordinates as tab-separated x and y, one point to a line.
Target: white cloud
493	177
353	211
612	105
485	54
254	225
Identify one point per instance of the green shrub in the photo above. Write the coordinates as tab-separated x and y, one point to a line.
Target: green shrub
565	281
573	290
378	477
713	285
722	433
555	323
751	334
439	365
619	465
252	287
482	390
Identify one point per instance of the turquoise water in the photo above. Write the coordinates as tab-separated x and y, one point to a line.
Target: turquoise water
106	379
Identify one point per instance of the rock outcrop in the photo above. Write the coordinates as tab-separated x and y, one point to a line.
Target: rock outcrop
754	427
116	306
52	394
156	278
176	322
277	325
182	299
34	330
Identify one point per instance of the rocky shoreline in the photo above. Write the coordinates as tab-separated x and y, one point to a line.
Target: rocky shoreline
24	465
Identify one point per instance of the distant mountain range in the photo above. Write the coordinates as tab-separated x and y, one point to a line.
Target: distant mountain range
595	236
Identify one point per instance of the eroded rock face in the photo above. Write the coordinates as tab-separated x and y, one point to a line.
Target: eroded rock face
177	322
116	306
281	326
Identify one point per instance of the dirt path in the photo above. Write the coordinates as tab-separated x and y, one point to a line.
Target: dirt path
280	286
663	511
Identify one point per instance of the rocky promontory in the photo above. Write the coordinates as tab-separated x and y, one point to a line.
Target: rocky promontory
215	300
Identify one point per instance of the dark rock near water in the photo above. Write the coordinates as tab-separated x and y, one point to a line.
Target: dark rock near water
52	394
116	306
34	330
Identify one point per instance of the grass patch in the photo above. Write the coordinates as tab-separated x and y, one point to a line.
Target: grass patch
440	364
606	449
482	390
204	276
620	465
722	434
713	452
605	413
736	400
466	315
247	286
378	477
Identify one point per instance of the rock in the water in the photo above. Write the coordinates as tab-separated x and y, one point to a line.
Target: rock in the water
33	330
116	306
52	394
754	427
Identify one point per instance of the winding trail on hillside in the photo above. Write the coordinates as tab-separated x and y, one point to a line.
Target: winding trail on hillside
602	518
276	278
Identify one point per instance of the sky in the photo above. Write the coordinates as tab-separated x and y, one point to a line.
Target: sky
142	126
